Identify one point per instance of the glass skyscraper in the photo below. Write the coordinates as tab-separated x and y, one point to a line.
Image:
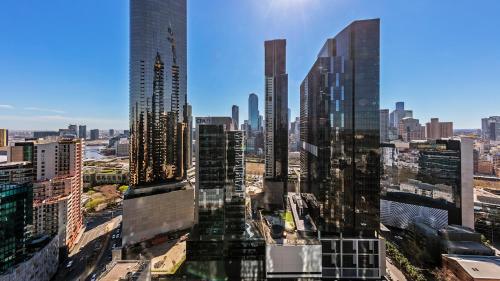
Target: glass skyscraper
16	212
339	157
276	110
253	112
158	99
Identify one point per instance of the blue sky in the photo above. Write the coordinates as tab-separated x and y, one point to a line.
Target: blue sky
67	61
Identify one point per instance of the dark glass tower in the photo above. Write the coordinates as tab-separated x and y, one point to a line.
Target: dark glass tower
158	114
235	114
253	112
276	111
16	212
340	131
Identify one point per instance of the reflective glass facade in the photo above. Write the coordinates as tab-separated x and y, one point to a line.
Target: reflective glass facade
426	181
339	128
158	115
276	111
16	212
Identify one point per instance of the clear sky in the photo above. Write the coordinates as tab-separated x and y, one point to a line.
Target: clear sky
67	61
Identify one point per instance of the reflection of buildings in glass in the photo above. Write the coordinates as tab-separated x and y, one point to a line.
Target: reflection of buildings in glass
16	205
221	243
339	139
158	113
422	179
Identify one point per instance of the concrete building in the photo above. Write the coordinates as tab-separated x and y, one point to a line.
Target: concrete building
4	137
471	268
155	210
122	147
438	130
410	129
58	189
94	134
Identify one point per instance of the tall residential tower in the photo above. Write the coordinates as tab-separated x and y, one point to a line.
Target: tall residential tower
276	119
158	121
340	135
160	199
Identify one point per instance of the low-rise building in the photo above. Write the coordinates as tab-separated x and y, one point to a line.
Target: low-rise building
471	268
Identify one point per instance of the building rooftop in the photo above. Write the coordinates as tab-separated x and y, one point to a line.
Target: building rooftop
11	164
157	189
478	267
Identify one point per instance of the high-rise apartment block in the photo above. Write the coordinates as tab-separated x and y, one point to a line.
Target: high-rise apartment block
235	115
158	85
16	213
437	130
58	171
82	132
160	199
276	122
4	137
340	136
410	129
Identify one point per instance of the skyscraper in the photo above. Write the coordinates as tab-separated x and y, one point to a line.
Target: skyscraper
72	129
158	99
486	125
160	199
235	114
384	125
437	130
82	132
276	113
340	135
253	112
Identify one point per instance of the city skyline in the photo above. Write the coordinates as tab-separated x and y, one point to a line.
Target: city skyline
97	80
